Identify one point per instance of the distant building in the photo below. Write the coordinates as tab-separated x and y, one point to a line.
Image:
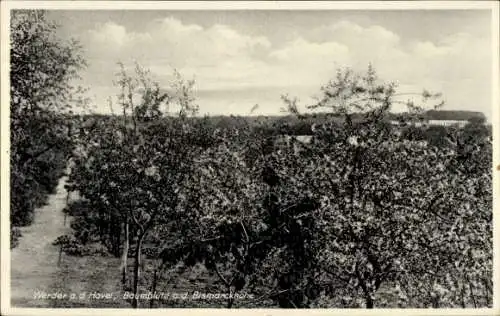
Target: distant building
459	123
445	118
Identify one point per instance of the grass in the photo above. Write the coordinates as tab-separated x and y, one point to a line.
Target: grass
84	276
101	274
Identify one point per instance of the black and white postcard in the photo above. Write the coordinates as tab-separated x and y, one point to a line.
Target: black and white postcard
220	157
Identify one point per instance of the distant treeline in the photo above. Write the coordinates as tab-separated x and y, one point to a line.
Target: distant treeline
292	124
454	115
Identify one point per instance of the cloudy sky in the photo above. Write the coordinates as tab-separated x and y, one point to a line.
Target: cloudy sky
243	58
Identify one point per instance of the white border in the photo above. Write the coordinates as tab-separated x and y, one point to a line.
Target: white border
253	5
6	6
495	121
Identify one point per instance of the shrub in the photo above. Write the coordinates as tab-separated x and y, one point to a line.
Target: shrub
15	234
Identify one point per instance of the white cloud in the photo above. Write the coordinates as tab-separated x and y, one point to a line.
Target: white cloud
304	51
354	35
169	42
176	27
429	50
109	32
222	58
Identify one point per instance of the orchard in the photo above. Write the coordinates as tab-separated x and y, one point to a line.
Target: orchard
364	214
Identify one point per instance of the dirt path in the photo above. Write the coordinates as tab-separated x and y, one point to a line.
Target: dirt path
34	260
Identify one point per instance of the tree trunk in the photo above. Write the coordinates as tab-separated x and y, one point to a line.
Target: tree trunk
125	252
153	287
462	296
472	293
487	291
60	256
369	301
106	229
231	299
368	293
67	204
137	265
114	237
435	301
118	240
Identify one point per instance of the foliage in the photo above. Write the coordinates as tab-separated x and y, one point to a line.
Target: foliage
15	234
42	68
361	216
359	209
129	174
398	206
74	247
150	97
